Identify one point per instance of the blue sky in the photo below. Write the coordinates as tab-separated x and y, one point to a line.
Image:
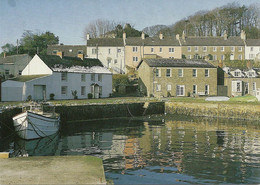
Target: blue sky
68	18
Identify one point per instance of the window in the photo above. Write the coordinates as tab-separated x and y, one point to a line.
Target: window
239	57
254	86
180	72
109	50
7	72
237	86
115	61
169	87
152	50
158	87
80	51
232	48
206	73
222	48
64	76
100	91
135	49
215	57
251	48
20	72
118	50
206	89
196	48
168	72
54	52
135	59
251	74
214	48
158	73
160	50
204	48
189	49
100	77
70	50
83	90
94	51
83	77
194	72
222	57
196	56
237	73
63	90
93	77
180	90
171	50
189	56
194	89
239	48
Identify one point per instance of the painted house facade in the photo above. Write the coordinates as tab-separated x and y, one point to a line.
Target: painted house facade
46	75
110	51
177	77
12	66
252	49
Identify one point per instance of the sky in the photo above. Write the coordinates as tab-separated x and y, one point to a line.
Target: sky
68	18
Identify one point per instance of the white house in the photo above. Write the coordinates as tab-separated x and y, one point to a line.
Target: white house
110	51
252	49
47	75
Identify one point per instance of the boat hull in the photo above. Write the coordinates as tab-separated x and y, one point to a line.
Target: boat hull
29	125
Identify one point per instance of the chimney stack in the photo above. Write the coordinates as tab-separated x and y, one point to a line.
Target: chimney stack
225	35
161	36
88	36
177	37
143	36
243	35
124	38
183	35
60	54
4	54
220	64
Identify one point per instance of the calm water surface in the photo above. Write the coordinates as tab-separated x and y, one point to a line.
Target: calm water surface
159	150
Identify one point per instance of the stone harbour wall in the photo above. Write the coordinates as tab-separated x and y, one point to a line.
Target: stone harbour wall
220	110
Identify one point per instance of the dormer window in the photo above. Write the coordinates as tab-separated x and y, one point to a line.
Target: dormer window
237	73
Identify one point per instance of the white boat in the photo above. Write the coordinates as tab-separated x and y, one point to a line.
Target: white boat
35	123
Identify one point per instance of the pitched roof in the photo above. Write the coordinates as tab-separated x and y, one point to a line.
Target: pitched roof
212	41
105	42
53	61
152	41
253	42
23	59
168	62
25	78
62	47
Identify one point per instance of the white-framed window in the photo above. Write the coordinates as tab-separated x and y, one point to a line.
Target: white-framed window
236	86
83	90
206	72
135	59
196	48
83	77
204	48
64	76
168	72
251	48
152	50
180	72
161	50
189	49
158	87
240	48
251	74
222	57
180	90
232	48
109	50
169	87
64	90
239	57
222	48
93	77
94	51
158	72
254	86
171	50
206	89
100	77
135	49
214	48
215	57
194	72
194	89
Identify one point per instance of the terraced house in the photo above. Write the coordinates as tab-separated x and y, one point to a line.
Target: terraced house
177	77
137	48
252	49
214	48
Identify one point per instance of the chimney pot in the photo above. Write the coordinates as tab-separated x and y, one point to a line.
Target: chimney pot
4	54
88	36
225	35
143	36
161	36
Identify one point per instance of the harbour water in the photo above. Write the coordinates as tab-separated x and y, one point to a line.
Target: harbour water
158	149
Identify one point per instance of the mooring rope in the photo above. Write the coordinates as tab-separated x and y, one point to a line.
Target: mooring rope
34	126
129	111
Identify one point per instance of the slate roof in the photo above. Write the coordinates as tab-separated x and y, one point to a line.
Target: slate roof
212	41
105	42
253	42
66	62
23	59
25	78
168	62
152	41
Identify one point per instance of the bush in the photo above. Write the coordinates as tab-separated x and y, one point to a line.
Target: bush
29	98
90	95
74	94
52	96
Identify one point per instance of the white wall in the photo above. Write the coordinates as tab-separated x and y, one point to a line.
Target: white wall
12	91
36	67
103	54
255	52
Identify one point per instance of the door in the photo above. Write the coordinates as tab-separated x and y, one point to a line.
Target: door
96	91
39	92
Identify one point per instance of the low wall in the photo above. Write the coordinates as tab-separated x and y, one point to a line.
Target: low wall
233	111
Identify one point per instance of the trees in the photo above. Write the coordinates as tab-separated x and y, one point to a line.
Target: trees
9	49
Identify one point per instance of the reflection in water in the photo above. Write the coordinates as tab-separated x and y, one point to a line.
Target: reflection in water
166	151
